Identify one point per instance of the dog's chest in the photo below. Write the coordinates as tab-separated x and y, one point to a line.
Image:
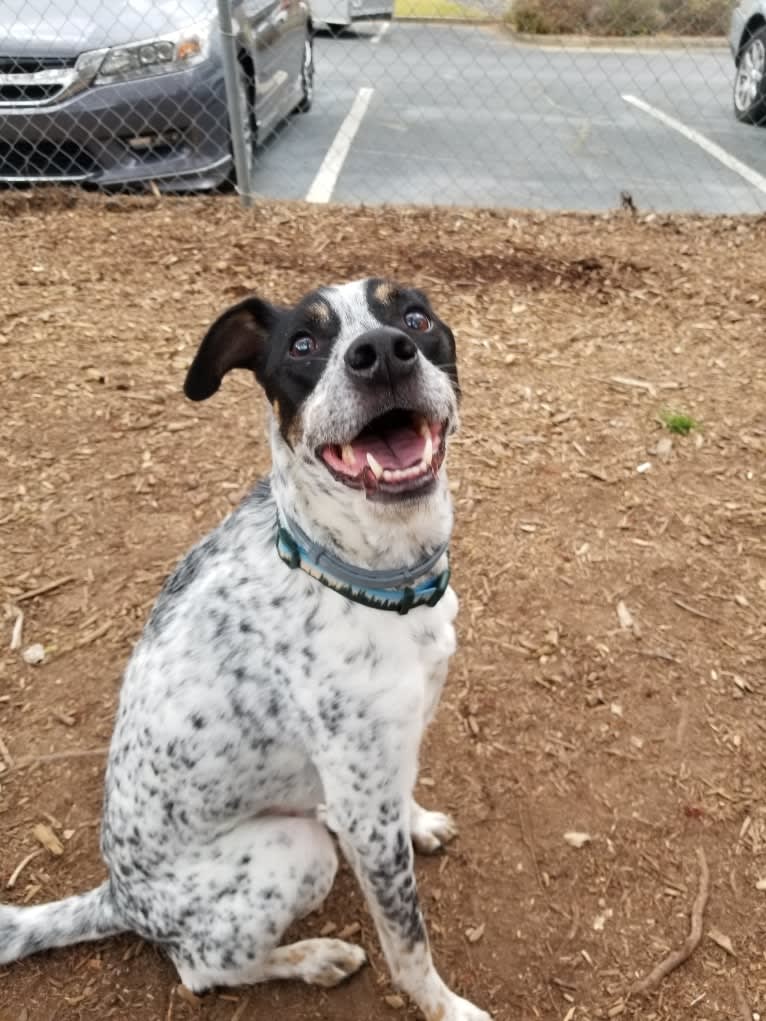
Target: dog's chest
380	657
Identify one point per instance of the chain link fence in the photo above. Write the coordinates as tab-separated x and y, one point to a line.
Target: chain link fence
549	104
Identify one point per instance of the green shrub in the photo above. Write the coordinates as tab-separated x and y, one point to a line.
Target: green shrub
624	17
695	17
620	17
551	17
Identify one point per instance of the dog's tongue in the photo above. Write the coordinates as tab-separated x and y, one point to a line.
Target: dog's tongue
400	447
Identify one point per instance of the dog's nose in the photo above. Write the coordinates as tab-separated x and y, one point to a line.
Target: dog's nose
382	354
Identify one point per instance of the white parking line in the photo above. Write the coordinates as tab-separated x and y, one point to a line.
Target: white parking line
323	184
381	32
731	162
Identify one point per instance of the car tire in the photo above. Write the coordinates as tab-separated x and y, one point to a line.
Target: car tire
750	81
307	76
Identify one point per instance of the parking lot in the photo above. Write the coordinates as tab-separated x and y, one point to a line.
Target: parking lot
466	114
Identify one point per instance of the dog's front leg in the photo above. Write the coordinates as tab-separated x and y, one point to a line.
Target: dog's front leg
379	849
431	830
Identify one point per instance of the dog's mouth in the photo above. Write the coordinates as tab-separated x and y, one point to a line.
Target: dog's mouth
397	454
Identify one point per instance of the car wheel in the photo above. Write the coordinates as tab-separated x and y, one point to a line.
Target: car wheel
750	83
307	77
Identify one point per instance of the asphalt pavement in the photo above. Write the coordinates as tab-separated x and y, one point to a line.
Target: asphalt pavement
465	114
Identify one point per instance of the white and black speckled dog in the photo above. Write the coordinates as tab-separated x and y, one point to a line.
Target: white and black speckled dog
289	667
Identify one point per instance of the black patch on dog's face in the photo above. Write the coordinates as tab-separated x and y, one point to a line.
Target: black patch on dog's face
288	376
390	303
288	349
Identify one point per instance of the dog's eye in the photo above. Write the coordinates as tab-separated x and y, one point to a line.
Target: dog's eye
302	345
417	321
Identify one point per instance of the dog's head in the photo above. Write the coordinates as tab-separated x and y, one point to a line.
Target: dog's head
362	380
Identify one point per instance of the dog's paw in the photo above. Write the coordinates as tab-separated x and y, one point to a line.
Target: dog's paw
458	1009
431	830
331	961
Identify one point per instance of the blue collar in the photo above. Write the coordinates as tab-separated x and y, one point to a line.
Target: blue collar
380	590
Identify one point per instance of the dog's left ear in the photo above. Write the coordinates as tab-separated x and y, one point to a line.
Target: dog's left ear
239	339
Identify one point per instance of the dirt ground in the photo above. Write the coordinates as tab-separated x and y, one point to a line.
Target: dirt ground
610	674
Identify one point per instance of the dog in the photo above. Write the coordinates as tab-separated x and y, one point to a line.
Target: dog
279	692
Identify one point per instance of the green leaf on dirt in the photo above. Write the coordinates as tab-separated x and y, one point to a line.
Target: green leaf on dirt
679	423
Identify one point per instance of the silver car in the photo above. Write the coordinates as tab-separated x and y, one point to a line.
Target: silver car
747	39
113	93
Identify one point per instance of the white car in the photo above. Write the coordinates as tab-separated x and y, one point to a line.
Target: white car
747	39
338	14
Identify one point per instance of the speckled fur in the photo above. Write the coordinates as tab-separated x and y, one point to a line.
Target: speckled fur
261	710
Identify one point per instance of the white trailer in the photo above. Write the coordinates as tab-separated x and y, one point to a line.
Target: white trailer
336	14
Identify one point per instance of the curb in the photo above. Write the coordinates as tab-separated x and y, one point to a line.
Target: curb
617	42
480	19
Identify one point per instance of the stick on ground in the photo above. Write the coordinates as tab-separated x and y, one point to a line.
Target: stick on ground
739	991
75	753
21	866
690	944
694	611
6	755
18	630
43	589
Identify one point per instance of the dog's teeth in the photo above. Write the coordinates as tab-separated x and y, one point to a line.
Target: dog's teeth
428	450
349	457
377	469
401	474
424	428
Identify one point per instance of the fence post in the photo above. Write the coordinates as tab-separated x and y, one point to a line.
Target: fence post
242	159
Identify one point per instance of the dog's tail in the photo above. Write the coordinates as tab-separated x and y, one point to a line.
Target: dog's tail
25	930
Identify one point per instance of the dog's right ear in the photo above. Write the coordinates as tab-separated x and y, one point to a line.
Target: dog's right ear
239	339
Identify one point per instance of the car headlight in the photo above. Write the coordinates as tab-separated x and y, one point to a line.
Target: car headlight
174	52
